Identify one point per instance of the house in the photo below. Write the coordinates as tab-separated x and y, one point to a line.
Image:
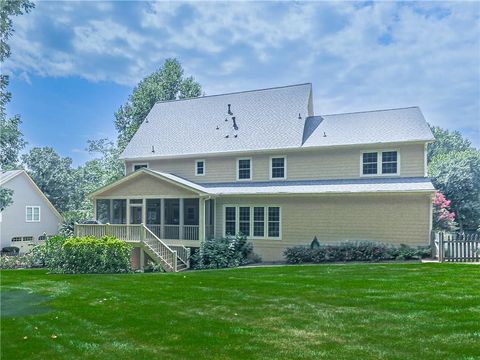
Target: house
261	163
30	217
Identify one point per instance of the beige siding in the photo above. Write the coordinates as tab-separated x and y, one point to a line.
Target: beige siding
396	219
338	163
146	185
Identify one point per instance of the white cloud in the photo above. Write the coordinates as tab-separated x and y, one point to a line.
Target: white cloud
358	56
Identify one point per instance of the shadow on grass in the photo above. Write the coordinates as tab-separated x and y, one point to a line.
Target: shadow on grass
22	303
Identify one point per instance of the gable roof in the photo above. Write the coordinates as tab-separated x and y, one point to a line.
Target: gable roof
266	119
6	176
370	127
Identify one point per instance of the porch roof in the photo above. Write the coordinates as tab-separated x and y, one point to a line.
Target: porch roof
371	185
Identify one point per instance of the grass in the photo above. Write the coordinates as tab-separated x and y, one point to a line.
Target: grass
358	311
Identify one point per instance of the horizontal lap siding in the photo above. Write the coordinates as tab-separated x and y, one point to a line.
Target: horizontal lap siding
339	163
396	219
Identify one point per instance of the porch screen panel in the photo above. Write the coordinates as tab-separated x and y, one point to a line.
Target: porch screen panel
154	212
244	220
190	211
119	207
103	210
230	220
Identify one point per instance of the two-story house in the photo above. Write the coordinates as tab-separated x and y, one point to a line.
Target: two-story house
262	164
31	216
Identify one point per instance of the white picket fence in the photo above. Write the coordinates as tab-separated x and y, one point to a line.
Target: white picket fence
456	247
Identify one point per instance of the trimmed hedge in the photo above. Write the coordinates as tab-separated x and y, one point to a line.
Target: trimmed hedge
87	255
354	251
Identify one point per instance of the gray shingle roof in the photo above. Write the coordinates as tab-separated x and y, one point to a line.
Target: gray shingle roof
6	176
380	126
267	119
371	185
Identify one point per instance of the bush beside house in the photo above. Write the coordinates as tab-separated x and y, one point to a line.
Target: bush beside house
354	251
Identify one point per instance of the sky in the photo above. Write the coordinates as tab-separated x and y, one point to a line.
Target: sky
74	63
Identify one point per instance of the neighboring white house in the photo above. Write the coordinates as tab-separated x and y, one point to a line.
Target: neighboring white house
30	216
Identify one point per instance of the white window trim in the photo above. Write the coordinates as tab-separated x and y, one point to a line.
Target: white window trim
251	206
137	164
379	163
39	213
238	168
196	167
284	157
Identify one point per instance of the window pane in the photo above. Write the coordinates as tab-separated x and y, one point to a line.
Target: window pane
259	221
389	162
230	220
200	167
138	167
244	169
244	214
389	168
370	163
119	215
103	211
278	167
389	156
36	213
29	213
273	221
154	213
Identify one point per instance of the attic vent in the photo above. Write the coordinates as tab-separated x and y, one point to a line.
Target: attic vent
229	110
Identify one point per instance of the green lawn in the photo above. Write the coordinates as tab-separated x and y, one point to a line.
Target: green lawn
359	311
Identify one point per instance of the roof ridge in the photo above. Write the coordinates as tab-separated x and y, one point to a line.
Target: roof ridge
369	111
233	93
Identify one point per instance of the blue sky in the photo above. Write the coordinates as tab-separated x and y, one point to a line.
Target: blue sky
73	64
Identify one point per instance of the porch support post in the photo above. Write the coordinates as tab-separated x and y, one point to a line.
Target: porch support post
142	258
144	211
201	219
181	220
162	218
128	211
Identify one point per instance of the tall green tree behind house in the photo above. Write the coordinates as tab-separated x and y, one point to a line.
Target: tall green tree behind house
53	174
454	166
167	83
11	138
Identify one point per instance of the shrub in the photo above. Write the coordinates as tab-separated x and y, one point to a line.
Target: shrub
17	262
223	252
87	255
354	251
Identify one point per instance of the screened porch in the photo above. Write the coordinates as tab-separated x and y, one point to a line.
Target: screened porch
168	218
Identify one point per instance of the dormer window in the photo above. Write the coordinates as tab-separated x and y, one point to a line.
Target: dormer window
200	167
380	163
244	170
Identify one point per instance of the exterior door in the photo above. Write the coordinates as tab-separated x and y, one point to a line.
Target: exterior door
136	211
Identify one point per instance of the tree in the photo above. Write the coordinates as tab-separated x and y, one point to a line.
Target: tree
167	83
11	139
54	175
445	142
6	198
457	175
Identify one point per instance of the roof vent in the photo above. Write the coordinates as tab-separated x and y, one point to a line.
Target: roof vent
226	119
235	126
324	134
236	135
217	128
229	111
153	149
227	136
299	116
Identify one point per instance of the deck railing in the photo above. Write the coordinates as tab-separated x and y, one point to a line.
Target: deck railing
175	232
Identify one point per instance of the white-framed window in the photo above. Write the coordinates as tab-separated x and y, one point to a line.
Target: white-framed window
138	166
27	238
374	163
278	167
16	238
244	169
199	167
32	214
253	221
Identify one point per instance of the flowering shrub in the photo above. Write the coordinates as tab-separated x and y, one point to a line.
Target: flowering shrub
17	261
223	253
443	218
354	251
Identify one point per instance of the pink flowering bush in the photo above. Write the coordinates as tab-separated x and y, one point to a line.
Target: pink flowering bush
443	218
